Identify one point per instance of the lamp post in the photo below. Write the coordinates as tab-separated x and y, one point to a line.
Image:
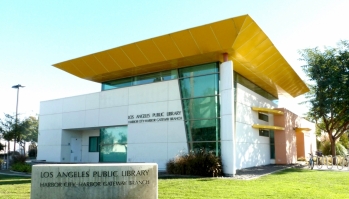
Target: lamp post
14	144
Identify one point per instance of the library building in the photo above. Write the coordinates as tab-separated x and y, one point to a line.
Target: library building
215	87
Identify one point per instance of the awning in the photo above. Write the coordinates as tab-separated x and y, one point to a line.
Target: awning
259	126
299	129
268	110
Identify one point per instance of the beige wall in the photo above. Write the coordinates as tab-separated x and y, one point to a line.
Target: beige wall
286	140
300	145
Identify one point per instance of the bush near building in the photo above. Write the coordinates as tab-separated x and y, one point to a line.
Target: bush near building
198	162
19	164
22	167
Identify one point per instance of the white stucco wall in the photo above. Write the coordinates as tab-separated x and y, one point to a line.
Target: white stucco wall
228	146
251	149
82	116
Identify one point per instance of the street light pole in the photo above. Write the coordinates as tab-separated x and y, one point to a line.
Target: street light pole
14	144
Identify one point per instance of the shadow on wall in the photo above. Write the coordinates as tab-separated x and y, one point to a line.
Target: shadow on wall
251	148
252	156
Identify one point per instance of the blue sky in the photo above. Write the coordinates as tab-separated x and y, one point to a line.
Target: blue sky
36	34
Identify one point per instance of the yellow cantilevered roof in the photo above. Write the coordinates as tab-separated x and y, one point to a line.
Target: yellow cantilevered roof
253	54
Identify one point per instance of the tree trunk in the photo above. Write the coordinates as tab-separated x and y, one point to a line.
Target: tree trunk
333	151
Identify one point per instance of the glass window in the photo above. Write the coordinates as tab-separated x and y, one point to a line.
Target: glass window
272	151
139	80
264	132
146	79
93	145
263	117
214	147
272	144
253	87
168	75
271	135
199	90
113	147
203	130
119	83
198	70
199	86
201	108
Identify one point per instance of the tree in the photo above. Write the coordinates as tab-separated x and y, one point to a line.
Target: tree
21	131
2	147
8	128
29	131
328	72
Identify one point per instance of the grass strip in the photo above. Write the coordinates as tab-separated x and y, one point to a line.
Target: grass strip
290	183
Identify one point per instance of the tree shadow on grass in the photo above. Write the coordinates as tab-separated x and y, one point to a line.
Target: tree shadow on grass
9	179
207	179
14	181
292	170
174	176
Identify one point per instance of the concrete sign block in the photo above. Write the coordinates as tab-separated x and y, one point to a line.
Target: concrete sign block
127	180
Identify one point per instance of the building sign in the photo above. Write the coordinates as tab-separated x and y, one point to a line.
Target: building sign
85	181
155	117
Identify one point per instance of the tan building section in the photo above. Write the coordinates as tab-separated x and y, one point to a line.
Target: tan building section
300	144
296	140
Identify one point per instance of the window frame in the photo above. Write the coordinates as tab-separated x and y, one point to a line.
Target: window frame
263	116
262	132
89	144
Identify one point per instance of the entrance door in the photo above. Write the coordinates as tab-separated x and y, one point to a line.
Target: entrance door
75	150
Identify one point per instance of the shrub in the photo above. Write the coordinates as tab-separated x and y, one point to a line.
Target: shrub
1	162
32	153
325	147
344	140
197	162
19	159
21	167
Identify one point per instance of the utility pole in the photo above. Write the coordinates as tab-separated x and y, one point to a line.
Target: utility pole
14	144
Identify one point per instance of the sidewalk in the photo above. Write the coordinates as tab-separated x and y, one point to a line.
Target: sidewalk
14	173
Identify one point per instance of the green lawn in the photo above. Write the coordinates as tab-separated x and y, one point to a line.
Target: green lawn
14	187
290	183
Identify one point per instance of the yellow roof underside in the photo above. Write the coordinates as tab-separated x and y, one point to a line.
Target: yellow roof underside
253	54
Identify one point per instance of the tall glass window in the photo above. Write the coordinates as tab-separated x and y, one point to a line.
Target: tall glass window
200	99
113	144
201	108
206	85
